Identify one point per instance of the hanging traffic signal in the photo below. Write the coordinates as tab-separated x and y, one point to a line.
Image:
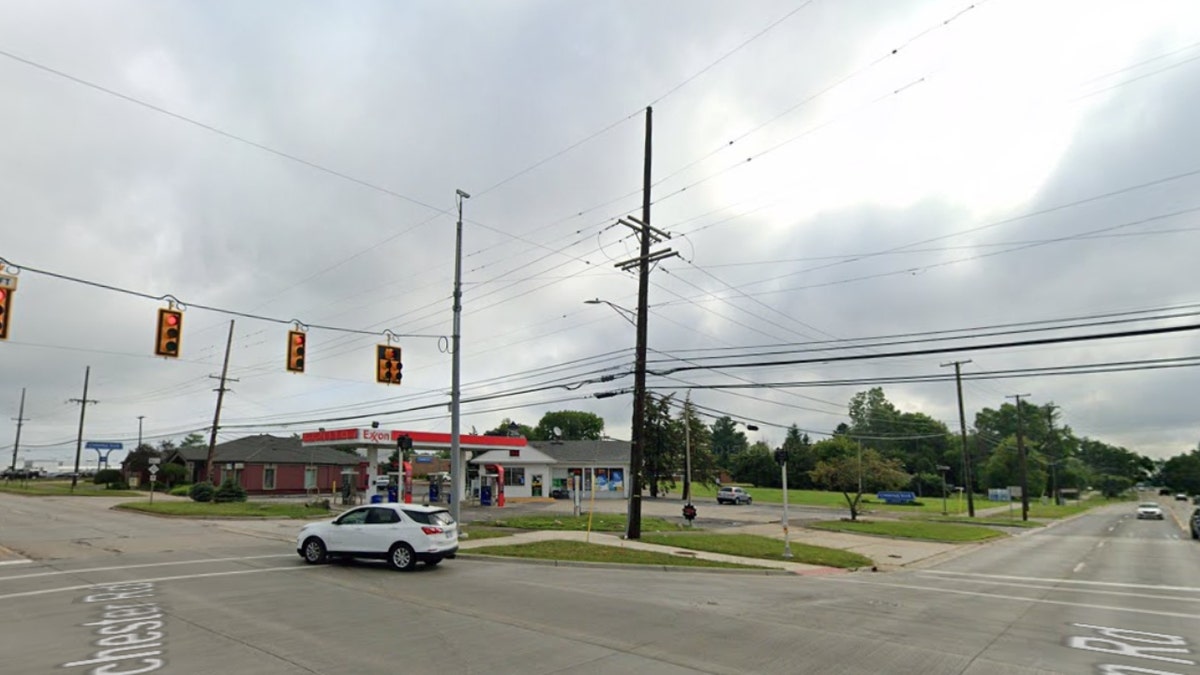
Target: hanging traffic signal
6	298
295	352
170	330
388	368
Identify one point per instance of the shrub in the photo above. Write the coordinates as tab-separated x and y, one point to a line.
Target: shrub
180	491
108	477
230	492
201	492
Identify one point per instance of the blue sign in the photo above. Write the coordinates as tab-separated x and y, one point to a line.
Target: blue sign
897	497
424	459
102	445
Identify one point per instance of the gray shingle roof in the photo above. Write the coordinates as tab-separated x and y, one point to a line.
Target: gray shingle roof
615	453
266	449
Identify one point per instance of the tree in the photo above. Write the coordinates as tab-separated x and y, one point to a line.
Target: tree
756	466
138	460
662	444
169	474
727	441
194	440
506	428
867	470
1003	468
575	425
800	459
1181	473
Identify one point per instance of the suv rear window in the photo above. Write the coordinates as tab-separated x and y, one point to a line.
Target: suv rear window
442	518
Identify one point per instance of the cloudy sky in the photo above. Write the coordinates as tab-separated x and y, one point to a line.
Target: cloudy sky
827	171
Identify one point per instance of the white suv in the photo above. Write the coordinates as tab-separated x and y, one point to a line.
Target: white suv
733	495
401	534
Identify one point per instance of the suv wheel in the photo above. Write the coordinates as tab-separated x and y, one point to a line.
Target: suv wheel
401	557
314	551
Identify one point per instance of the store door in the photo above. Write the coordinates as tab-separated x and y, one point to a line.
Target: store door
537	485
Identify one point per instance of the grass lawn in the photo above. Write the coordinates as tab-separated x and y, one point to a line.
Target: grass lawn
929	505
61	488
601	522
227	510
912	529
583	552
982	520
755	546
474	532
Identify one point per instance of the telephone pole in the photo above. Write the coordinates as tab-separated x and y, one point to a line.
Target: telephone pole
212	439
1024	461
20	420
140	418
83	402
1055	458
968	483
647	235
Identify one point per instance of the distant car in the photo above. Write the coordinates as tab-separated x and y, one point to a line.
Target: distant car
1164	492
401	534
1181	497
1149	510
733	495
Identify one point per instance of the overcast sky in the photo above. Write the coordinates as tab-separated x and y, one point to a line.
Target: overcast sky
827	170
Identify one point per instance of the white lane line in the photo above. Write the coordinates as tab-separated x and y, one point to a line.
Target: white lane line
200	561
1006	577
1112	528
15	562
1078	567
1089	591
1100	545
182	577
1017	598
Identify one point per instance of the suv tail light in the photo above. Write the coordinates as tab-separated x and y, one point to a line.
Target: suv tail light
432	530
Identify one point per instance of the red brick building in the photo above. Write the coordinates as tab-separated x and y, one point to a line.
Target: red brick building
266	465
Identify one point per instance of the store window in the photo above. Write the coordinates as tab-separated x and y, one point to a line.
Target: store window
514	476
310	478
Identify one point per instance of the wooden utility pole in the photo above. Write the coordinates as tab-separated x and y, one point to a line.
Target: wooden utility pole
1024	460
83	402
212	439
968	482
20	420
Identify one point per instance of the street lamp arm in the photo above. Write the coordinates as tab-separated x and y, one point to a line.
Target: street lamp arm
627	314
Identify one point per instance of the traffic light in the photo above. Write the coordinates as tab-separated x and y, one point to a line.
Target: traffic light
6	299
781	457
404	442
170	330
388	369
295	351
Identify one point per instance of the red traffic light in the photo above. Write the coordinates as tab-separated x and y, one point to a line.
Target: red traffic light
170	327
295	351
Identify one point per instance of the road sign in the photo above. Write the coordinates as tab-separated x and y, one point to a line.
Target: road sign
102	445
153	470
155	460
897	497
8	281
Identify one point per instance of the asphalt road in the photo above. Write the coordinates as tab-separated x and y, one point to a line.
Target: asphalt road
110	592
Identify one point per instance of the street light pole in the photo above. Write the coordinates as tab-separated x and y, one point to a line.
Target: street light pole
787	537
943	468
456	464
140	418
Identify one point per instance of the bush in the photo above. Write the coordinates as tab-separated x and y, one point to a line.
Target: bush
201	492
180	491
229	492
108	477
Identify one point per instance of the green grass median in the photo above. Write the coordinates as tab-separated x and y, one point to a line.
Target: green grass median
476	532
227	510
578	551
46	488
601	522
755	546
951	533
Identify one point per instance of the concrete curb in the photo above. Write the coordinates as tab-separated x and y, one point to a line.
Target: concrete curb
479	557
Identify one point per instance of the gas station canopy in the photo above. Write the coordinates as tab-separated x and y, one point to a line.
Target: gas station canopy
370	437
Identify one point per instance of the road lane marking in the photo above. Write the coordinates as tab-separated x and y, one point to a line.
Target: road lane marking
182	577
1078	567
15	562
1017	598
1100	545
1132	643
1090	591
1114	584
130	567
